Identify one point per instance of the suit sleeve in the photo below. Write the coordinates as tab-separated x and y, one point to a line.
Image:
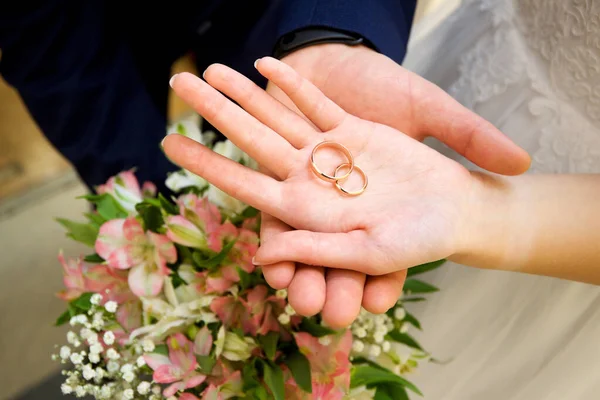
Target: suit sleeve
386	24
80	84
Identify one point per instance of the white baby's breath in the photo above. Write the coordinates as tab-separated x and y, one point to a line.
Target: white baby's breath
96	299
65	352
109	338
111	306
143	388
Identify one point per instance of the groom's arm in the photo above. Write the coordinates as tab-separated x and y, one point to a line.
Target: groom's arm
385	25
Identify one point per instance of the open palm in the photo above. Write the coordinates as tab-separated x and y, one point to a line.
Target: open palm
409	214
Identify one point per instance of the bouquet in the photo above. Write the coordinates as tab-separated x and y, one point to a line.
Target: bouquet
168	305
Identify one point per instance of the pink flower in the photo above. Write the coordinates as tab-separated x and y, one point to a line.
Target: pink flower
109	282
187	396
232	313
330	364
224	383
179	368
243	251
81	277
264	310
125	189
73	278
203	216
255	313
124	244
129	315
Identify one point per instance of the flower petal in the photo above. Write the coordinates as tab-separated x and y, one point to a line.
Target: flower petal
145	280
183	232
203	342
155	360
110	238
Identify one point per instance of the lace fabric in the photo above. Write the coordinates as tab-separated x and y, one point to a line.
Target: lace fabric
549	52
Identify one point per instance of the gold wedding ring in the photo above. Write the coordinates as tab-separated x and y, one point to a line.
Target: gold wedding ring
322	174
347	192
335	178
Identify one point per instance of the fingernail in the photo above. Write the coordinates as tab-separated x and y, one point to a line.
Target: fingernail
256	262
172	80
162	142
256	62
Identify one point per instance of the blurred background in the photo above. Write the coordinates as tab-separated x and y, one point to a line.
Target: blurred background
37	185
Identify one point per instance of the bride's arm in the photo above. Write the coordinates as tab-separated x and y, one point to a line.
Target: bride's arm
538	224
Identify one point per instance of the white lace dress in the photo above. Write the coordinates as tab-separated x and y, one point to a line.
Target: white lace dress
531	67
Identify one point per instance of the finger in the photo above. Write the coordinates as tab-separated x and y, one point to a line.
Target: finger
306	293
323	112
344	295
243	183
246	132
466	132
382	292
278	275
260	104
335	250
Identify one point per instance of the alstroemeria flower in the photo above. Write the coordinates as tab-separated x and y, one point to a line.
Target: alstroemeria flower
264	310
124	244
224	384
199	225
179	368
232	312
125	189
73	278
185	233
81	277
232	347
243	251
175	311
329	364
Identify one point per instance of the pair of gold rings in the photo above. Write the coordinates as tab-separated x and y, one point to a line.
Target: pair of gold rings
335	178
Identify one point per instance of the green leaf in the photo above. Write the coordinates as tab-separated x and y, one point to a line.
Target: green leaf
95	219
249	376
169	207
390	391
269	343
93	259
421	269
83	302
412	320
151	215
206	363
366	375
249	212
161	349
408	340
274	379
317	330
413	299
83	233
417	286
63	319
258	393
300	368
106	205
213	262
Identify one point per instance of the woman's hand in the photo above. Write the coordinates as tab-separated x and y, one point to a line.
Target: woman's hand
412	212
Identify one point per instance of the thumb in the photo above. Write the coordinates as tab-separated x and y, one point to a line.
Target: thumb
470	135
349	251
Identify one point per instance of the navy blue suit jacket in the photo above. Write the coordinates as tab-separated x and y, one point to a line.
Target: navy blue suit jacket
94	74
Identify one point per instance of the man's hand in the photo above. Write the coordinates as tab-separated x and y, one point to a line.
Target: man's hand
373	87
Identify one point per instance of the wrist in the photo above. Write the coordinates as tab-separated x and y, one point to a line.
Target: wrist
486	240
316	62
